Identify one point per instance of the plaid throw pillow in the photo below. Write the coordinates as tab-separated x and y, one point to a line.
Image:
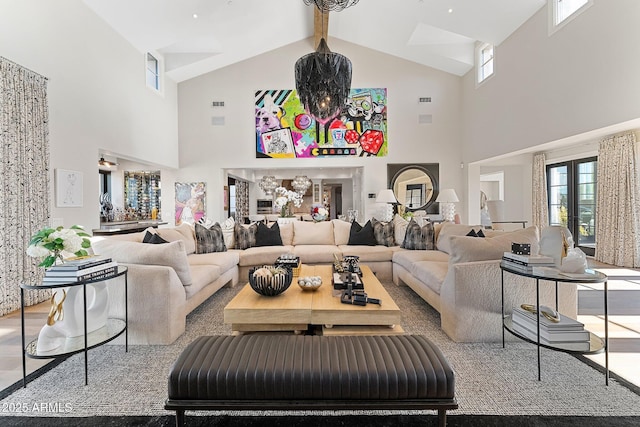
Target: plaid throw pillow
245	236
383	232
209	239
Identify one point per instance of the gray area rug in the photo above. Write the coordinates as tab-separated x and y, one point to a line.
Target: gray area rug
490	380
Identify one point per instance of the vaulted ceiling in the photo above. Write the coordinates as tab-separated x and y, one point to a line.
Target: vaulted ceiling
199	36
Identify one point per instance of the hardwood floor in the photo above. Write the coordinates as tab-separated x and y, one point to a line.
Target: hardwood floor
624	327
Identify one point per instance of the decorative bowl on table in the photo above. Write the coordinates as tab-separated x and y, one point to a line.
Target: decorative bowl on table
269	280
310	283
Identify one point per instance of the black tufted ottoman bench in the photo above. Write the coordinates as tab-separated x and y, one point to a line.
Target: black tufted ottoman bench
297	372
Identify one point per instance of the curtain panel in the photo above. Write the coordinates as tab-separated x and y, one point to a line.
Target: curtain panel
242	200
617	216
540	206
24	188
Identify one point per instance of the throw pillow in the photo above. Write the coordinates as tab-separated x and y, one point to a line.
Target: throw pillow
153	238
341	231
228	231
245	236
466	249
209	239
480	233
383	232
268	236
429	236
360	235
413	239
399	229
471	233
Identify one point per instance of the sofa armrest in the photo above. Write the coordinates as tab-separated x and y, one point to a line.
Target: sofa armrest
156	306
471	299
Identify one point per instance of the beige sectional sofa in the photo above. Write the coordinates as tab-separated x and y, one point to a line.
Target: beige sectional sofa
168	281
461	279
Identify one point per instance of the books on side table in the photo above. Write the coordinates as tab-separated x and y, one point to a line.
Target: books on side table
90	268
526	263
567	333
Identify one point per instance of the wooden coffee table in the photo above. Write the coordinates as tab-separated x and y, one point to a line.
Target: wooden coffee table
295	309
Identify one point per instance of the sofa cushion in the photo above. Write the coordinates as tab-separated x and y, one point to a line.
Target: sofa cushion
341	231
225	260
315	254
313	233
245	237
262	255
406	258
153	238
171	254
209	239
184	232
449	229
201	276
466	249
362	235
268	236
431	273
129	237
399	229
286	233
383	232
368	253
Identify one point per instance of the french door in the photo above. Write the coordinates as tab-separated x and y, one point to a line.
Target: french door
571	188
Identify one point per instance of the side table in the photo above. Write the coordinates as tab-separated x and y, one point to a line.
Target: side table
596	344
113	328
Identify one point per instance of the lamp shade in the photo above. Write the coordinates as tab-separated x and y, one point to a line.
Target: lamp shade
386	196
448	195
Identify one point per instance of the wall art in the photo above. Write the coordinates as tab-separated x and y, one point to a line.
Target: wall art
285	130
190	202
68	189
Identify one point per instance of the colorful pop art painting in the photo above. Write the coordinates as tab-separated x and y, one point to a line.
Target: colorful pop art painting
285	130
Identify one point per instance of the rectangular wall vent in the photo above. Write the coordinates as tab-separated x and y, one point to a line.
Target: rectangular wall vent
425	99
217	121
425	119
217	104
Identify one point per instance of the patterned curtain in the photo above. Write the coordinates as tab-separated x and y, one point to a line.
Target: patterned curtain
24	188
617	216
540	206
242	200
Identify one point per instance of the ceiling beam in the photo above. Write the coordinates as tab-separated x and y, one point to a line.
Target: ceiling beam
320	26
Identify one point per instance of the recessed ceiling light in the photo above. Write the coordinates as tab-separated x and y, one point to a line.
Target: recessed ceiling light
450	10
195	16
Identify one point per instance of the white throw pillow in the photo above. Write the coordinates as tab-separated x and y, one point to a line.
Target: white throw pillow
341	230
228	227
399	228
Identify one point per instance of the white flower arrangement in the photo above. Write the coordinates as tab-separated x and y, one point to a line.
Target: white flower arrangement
285	198
50	243
319	213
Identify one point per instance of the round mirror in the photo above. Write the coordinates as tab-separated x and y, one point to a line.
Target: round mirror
413	188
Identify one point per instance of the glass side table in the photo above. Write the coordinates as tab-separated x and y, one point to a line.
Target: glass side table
82	343
596	344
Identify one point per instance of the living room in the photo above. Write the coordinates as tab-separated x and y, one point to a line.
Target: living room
558	93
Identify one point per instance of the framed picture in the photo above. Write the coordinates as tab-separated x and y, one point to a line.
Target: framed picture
190	201
68	188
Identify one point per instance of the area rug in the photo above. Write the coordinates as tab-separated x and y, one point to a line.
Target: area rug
493	384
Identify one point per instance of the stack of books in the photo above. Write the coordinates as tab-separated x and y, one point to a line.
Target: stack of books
568	333
526	263
90	268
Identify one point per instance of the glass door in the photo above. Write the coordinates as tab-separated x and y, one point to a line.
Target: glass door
572	199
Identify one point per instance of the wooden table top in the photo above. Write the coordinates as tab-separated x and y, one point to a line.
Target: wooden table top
296	308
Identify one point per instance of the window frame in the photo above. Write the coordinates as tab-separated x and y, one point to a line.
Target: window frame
552	7
158	74
480	64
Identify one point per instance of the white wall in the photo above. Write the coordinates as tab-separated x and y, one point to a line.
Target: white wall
97	95
206	149
545	88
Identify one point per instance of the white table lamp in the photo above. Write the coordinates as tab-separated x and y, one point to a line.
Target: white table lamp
447	198
387	196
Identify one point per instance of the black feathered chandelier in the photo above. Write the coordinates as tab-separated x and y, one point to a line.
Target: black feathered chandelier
323	78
